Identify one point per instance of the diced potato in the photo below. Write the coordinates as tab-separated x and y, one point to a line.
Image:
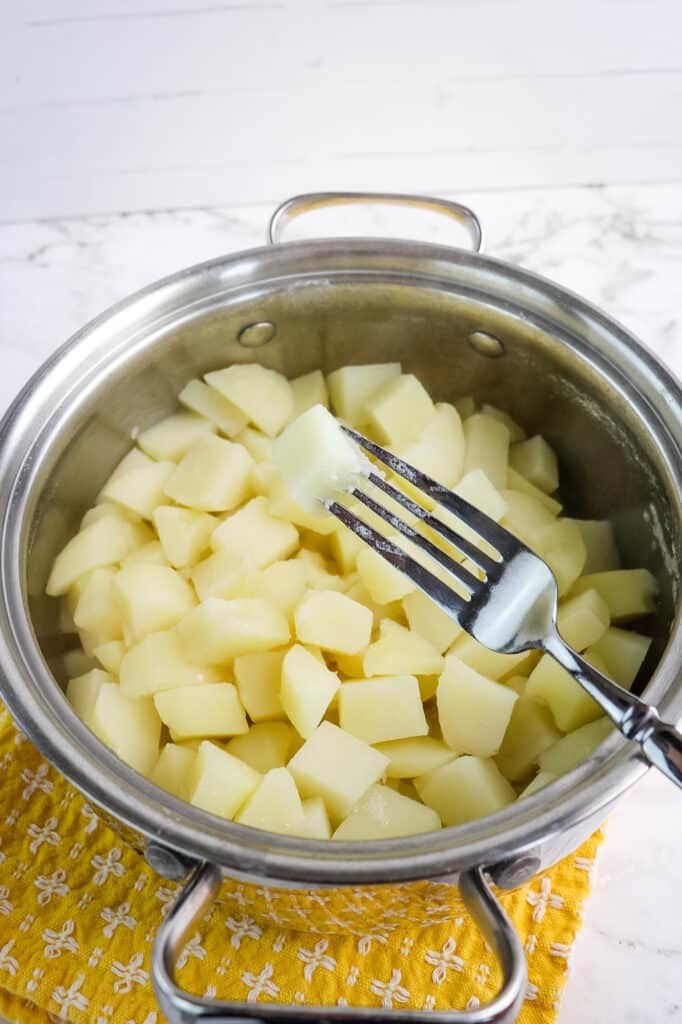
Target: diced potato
531	730
484	661
97	610
282	583
308	390
149	554
252	529
216	630
332	621
105	542
259	677
464	789
568	752
516	482
222	574
414	756
257	444
399	410
283	506
215	407
401	651
486	448
336	766
315	819
570	705
345	548
439	449
307	690
213	709
132	460
212	477
184	534
541	780
110	655
535	460
629	593
158	663
516	432
473	711
171	438
384	814
140	490
351	387
600	544
426	618
275	806
152	598
264	396
130	727
525	516
221	784
82	692
476	488
376	710
384	582
561	546
173	770
623	652
583	619
265	746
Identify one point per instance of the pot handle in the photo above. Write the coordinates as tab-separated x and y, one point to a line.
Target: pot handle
298	205
199	892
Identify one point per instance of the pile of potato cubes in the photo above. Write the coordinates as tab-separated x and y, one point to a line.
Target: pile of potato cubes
246	652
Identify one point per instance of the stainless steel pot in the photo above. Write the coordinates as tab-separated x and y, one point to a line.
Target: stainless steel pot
466	324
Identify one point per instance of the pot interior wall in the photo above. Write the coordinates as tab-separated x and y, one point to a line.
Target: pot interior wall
610	465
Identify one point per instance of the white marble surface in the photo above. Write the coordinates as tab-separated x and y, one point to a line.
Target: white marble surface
620	247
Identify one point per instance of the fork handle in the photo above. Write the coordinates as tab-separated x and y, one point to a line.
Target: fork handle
660	742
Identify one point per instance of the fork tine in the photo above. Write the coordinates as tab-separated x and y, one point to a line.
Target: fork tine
485	527
464	577
440	592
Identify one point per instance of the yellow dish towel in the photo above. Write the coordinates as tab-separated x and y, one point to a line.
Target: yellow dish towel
79	910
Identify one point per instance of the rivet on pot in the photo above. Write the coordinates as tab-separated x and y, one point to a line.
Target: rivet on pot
486	344
257	334
515	872
167	863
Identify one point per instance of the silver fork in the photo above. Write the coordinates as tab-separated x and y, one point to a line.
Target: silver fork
513	608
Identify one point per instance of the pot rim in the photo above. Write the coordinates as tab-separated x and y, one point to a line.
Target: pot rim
42	711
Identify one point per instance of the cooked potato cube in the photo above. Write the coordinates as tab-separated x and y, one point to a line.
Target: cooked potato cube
282	583
252	529
105	542
531	730
525	516
171	438
130	727
221	784
351	387
473	711
222	574
439	449
82	692
213	709
275	806
140	490
307	391
149	554
376	710
336	766
629	593
184	534
212	477
384	582
399	410
158	663
152	598
265	746
516	482
307	690
476	488
561	545
134	459
486	448
623	652
400	651
332	621
110	655
516	432
216	631
345	547
259	677
315	819
583	619
262	395
600	544
384	814
215	407
97	610
283	506
414	756
257	444
484	661
541	780
464	789
426	618
570	750
173	770
535	460
570	705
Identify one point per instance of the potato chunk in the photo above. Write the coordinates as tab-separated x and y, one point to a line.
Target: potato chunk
484	661
184	534
82	692
221	783
216	631
264	396
215	407
399	410
222	574
275	806
438	450
568	752
570	705
376	710
414	756
583	619
105	542
400	651
623	652
428	620
336	766
130	727
531	731
158	663
172	437
384	582
351	387
152	598
308	688
110	655
315	819
213	709
141	490
384	814
97	610
282	583
308	390
561	545
214	476
259	678
332	621
525	516
473	711
464	789
535	460
486	448
629	593
173	770
252	529
541	780
265	746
